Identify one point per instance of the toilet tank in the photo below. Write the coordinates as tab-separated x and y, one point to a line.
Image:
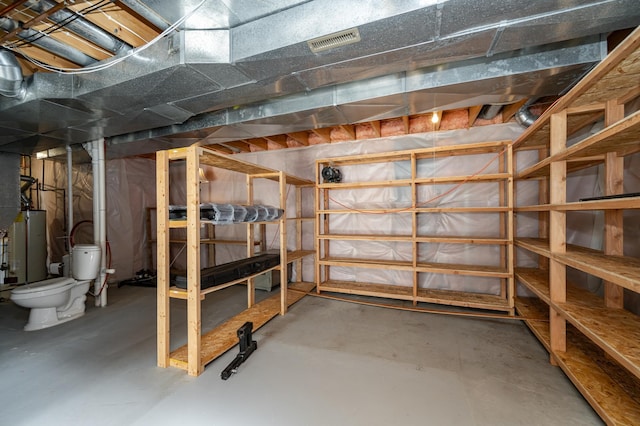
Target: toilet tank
85	261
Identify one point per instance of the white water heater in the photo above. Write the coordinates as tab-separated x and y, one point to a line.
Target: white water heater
28	247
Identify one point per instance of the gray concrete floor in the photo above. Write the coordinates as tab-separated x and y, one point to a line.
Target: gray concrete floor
324	363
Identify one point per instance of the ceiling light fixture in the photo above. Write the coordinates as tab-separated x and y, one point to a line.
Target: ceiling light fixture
435	118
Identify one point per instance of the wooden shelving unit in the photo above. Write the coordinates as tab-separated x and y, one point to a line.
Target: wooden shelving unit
203	348
414	211
593	339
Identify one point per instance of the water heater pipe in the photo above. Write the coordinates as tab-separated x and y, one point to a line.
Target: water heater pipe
69	197
100	217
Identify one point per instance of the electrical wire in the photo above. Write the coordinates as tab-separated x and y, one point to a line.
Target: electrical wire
58	25
405	209
113	61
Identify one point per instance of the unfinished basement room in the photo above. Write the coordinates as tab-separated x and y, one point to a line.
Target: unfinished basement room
320	212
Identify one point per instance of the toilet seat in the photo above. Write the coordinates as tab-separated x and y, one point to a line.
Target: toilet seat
42	288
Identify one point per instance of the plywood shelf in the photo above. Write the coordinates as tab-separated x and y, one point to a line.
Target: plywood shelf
360	210
224	337
616	331
621	270
463	299
536	314
201	349
399	265
415	211
363	237
583	364
431	267
536	280
593	339
621	138
367	289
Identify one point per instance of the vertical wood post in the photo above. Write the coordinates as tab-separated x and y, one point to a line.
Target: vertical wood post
162	247
194	323
557	234
613	219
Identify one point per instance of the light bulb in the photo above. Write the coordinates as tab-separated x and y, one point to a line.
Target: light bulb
434	117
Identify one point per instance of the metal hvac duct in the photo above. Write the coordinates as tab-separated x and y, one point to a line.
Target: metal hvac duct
74	22
11	82
524	116
47	43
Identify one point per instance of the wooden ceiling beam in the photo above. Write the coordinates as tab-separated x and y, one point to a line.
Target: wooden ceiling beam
350	129
118	22
242	146
278	139
405	124
11	7
508	111
220	148
375	125
44	15
259	143
300	137
324	134
474	111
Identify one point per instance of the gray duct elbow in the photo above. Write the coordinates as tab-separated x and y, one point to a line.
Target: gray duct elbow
11	80
524	116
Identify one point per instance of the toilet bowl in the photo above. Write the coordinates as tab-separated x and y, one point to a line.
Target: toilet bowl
58	300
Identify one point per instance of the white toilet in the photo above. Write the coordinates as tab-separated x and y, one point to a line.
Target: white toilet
59	300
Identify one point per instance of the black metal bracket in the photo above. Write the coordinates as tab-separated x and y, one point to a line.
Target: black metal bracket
247	346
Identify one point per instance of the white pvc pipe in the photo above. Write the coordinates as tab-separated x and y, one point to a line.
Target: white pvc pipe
100	216
69	203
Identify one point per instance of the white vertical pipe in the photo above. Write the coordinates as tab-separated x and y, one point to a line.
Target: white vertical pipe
69	197
100	216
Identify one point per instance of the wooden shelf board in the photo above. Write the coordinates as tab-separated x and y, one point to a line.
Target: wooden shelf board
533	208
612	204
215	159
462	240
424	153
483	209
367	289
483	178
300	219
432	267
604	385
372	184
224	337
537	245
616	331
496	209
621	270
613	78
609	388
460	269
292	256
463	299
362	237
536	280
401	265
216	241
619	138
541	169
179	293
536	313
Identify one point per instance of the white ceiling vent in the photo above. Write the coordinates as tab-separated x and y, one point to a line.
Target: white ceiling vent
338	39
